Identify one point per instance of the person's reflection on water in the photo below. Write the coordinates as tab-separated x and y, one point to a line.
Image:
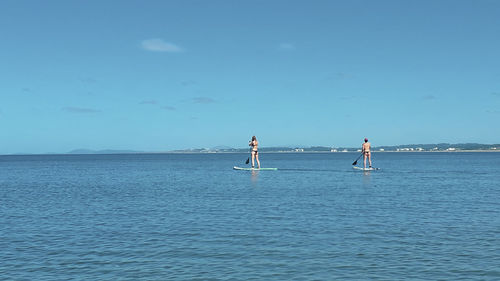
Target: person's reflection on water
366	177
254	176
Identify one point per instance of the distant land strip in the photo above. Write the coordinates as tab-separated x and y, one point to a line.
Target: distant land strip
440	147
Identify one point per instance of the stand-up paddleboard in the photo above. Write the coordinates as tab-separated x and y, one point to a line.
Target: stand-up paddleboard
255	169
365	169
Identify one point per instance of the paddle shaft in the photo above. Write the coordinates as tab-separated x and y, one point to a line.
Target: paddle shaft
248	159
356	162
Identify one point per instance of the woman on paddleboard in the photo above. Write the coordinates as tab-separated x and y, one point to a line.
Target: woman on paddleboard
255	153
366	152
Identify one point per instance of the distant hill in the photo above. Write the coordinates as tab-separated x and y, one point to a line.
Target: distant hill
227	149
441	147
407	147
221	147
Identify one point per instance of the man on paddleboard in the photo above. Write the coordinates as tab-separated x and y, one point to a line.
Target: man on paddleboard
366	153
255	153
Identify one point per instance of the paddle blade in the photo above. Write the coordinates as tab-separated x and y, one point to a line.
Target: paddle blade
356	162
248	160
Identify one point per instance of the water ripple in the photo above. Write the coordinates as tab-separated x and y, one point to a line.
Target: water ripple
157	217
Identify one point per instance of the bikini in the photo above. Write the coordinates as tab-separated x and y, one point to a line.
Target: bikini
254	150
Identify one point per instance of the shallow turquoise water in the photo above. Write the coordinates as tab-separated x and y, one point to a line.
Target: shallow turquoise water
427	216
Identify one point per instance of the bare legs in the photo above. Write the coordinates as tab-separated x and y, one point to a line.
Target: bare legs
369	156
255	155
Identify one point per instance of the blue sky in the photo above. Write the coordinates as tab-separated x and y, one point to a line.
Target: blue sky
164	75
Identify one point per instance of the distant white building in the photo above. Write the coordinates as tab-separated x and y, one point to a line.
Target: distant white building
381	149
333	150
299	150
451	149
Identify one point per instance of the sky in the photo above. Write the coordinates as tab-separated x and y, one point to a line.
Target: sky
166	75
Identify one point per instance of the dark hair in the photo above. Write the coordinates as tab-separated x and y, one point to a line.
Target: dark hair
254	138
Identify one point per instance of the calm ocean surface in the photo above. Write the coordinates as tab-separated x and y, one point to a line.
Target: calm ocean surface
423	216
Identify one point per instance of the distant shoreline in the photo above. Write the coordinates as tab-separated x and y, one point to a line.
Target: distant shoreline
324	152
239	152
436	147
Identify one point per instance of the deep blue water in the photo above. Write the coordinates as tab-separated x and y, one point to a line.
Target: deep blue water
423	216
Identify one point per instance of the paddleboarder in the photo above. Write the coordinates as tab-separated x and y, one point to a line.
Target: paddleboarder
366	147
255	152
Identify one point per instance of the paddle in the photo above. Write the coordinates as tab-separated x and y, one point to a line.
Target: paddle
248	159
356	162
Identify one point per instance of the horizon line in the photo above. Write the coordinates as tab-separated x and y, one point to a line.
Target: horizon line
223	149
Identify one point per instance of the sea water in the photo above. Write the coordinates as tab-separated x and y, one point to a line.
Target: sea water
422	216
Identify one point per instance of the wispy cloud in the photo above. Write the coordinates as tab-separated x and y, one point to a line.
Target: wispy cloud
203	100
154	102
348	98
79	110
338	76
343	75
88	80
26	89
169	108
158	45
149	102
187	83
286	46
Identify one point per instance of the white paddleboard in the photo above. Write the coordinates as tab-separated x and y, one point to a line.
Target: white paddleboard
365	169
255	169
